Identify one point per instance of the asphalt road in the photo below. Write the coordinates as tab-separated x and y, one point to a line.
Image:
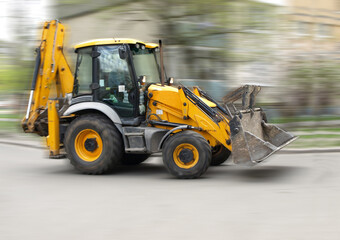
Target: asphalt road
292	196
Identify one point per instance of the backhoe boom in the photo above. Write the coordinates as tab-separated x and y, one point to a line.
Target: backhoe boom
52	76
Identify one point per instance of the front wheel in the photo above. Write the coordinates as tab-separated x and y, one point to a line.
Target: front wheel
219	155
187	154
93	144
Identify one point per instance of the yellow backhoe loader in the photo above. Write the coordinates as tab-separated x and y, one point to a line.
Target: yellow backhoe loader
119	107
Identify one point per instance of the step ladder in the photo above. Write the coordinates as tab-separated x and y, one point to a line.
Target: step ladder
134	139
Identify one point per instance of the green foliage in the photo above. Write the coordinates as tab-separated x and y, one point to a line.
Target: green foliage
314	84
311	136
329	129
10	126
306	73
14	78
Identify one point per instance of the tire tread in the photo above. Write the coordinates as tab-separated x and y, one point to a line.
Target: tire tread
112	132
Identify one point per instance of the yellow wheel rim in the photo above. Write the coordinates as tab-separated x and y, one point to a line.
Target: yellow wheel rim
190	162
86	153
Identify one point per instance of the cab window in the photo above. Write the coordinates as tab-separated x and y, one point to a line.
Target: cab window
83	73
115	82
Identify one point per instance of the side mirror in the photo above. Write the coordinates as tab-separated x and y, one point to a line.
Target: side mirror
122	53
142	80
170	81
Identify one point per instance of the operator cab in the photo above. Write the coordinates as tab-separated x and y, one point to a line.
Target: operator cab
116	72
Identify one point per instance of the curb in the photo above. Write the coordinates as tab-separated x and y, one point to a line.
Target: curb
9	120
21	144
309	150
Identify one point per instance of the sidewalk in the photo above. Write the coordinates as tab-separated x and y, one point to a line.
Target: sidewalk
9	120
22	140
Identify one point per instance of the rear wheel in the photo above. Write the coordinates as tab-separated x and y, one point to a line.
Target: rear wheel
93	144
219	155
187	155
134	159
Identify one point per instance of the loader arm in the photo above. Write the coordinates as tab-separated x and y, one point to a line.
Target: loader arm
169	106
244	132
52	78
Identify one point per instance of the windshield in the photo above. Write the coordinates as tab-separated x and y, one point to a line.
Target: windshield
145	62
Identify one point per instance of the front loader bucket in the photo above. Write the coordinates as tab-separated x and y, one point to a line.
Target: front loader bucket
254	140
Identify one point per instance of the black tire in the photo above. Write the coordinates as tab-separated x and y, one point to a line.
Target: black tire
196	154
110	148
134	159
219	155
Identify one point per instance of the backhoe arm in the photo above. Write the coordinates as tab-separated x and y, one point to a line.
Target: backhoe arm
52	78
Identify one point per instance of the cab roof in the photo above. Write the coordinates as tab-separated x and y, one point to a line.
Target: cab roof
111	41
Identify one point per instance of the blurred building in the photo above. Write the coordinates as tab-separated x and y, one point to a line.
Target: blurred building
311	56
87	20
19	23
315	28
225	42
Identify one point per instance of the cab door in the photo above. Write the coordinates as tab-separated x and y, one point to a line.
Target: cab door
117	86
